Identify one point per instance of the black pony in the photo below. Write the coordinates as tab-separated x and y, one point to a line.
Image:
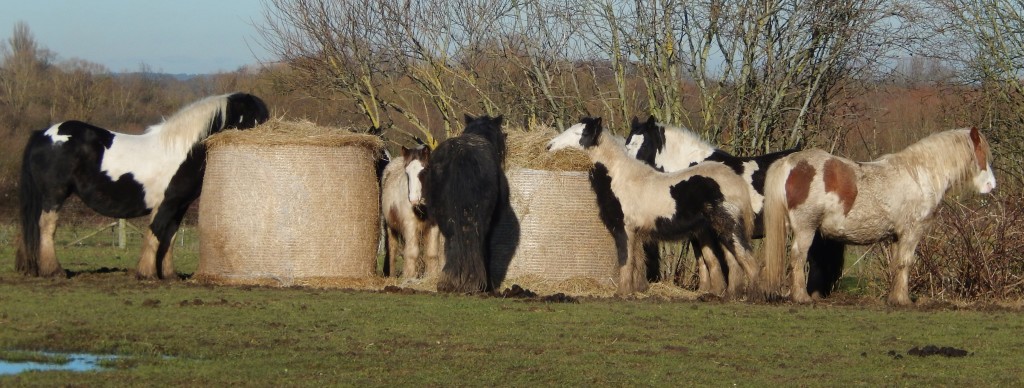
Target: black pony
463	186
159	172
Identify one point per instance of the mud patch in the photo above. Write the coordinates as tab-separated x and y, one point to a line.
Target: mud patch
932	350
518	292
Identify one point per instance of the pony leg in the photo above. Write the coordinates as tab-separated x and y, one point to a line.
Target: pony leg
392	252
146	269
713	267
741	255
903	249
411	252
798	260
167	261
633	274
432	246
48	265
703	278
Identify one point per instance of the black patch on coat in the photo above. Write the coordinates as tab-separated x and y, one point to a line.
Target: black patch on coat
697	201
609	208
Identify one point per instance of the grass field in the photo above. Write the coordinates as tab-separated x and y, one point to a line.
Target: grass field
185	333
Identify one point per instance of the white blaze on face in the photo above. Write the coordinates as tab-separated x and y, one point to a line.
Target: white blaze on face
570	138
412	172
985	181
633	147
56	137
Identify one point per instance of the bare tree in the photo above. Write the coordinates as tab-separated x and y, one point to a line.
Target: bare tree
983	39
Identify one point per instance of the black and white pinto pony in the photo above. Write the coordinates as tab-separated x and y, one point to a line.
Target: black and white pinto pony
462	189
890	199
707	202
158	172
407	224
669	149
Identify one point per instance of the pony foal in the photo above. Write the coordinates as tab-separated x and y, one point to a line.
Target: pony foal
888	199
408	224
159	172
707	202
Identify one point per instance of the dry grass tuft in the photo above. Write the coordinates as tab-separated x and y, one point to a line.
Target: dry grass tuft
278	131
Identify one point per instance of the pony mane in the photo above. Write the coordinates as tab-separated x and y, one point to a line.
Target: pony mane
949	151
684	138
192	123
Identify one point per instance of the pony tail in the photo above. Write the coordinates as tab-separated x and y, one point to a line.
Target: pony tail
775	214
27	256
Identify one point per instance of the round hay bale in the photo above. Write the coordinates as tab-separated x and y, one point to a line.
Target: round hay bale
552	231
289	204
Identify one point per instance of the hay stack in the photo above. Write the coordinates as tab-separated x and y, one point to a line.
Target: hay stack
289	203
552	233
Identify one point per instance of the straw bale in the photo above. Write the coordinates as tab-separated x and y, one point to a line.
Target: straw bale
552	230
279	208
528	149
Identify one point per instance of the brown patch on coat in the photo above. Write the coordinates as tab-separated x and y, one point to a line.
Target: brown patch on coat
393	219
798	184
841	180
980	149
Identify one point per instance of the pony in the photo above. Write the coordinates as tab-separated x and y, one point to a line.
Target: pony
668	149
407	224
890	199
158	172
462	188
707	202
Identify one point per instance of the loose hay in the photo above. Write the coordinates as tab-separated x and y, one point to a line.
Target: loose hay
289	204
529	150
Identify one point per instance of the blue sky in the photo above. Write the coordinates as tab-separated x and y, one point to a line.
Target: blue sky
170	36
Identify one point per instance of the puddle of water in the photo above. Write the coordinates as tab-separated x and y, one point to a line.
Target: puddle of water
77	362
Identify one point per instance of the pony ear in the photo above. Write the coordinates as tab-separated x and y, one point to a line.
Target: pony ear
635	122
975	136
469	118
405	152
499	120
652	121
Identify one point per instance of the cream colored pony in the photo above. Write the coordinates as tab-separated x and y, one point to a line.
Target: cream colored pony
889	199
707	202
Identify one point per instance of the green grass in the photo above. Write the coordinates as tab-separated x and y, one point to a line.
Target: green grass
183	333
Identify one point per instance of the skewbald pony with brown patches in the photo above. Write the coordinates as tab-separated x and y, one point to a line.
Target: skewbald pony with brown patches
826	199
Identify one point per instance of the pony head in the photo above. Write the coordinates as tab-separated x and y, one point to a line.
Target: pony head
984	180
244	111
416	160
582	135
489	128
645	139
